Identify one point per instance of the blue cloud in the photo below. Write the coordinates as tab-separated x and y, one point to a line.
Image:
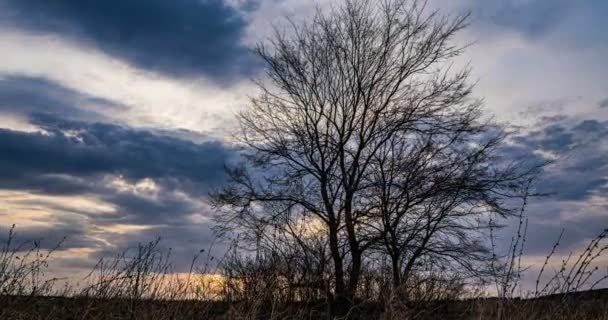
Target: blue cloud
74	158
178	37
28	96
45	161
582	22
77	149
534	18
579	171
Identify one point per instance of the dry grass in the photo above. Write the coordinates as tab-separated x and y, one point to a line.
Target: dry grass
141	283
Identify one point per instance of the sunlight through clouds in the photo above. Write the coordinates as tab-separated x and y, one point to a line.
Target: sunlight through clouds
153	99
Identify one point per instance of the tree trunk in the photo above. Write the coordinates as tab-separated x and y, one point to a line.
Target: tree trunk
340	290
396	272
355	272
355	250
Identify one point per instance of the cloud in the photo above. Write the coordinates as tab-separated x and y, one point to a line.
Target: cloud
48	161
180	37
534	52
104	186
184	240
576	21
576	183
579	147
604	103
548	217
27	96
149	99
95	237
50	236
107	187
533	18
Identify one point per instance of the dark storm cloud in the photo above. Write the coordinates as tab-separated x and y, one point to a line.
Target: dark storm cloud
162	209
178	37
78	149
60	235
580	22
532	17
575	184
37	181
27	96
580	170
579	174
553	137
81	159
604	103
78	153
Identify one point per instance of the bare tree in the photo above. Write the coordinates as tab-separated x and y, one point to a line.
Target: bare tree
350	96
432	194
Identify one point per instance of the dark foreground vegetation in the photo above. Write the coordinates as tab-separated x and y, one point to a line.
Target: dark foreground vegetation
584	305
142	283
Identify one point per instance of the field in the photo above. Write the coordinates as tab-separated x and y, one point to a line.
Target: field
582	305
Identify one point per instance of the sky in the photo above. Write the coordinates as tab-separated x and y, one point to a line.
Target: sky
116	116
